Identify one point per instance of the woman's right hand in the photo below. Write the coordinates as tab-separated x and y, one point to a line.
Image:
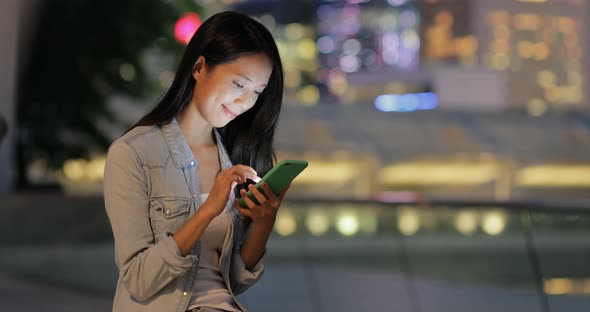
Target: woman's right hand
224	183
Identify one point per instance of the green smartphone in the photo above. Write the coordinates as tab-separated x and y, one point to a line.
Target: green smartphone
278	177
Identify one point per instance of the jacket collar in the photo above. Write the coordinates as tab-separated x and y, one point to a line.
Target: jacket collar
182	155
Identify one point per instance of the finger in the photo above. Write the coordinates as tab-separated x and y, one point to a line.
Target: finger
244	168
244	211
284	191
270	195
235	180
255	178
259	196
273	200
249	202
246	173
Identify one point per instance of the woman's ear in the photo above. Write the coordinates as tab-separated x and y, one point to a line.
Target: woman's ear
198	67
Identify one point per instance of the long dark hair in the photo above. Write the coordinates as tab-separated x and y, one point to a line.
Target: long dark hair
222	38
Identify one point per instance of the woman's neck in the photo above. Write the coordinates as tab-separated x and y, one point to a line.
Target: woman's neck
196	130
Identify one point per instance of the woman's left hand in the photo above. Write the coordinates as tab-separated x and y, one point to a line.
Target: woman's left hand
269	204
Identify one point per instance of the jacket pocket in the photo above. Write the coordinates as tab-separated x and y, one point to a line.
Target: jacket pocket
168	214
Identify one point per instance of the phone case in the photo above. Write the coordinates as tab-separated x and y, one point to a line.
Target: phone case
278	177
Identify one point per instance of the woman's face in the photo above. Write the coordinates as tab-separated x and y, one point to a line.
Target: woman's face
227	90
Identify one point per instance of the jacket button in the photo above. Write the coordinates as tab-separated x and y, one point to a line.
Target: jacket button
185	294
192	163
167	211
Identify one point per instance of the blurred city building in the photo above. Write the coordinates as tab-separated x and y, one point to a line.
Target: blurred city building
386	98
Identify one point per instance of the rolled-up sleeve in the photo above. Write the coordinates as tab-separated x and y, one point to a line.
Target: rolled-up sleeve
245	278
241	277
144	267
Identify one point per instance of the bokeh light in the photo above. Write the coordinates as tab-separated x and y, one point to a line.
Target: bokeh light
186	26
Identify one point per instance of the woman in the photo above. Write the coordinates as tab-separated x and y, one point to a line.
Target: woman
182	243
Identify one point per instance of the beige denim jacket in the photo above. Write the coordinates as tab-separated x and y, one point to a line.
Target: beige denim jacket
151	188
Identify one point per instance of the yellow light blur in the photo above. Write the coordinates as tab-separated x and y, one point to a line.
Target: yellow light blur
575	78
576	94
526	21
306	49
525	49
500	61
292	79
309	95
494	222
338	83
559	286
439	172
500	17
541	51
444	17
75	169
546	78
330	172
536	107
501	32
566	25
500	46
285	224
282	46
294	31
554	175
467	46
395	88
466	222
317	222
552	95
347	224
408	222
94	170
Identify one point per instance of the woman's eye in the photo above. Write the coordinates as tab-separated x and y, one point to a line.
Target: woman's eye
238	85
257	93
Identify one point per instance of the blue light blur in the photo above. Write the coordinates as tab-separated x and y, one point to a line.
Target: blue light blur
406	102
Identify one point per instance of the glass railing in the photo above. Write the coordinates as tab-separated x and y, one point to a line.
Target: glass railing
331	255
367	256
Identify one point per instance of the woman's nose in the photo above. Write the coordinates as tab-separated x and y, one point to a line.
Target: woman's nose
243	99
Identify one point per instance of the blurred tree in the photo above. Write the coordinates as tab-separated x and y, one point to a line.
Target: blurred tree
82	52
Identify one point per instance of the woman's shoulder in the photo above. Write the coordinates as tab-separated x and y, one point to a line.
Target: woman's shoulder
138	133
139	139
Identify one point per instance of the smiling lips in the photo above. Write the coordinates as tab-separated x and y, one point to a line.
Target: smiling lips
228	112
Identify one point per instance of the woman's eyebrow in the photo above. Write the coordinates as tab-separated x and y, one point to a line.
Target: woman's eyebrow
249	79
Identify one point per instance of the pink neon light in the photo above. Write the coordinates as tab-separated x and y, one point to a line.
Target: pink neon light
186	26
